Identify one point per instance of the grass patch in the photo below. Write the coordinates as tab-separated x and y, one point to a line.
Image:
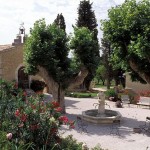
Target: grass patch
86	94
99	86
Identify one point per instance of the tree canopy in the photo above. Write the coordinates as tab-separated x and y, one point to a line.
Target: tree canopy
106	52
60	22
46	53
86	18
47	47
128	30
101	74
83	44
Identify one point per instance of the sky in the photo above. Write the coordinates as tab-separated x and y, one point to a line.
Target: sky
14	12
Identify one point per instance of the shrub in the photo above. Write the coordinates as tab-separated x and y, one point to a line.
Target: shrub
110	93
98	147
69	143
29	123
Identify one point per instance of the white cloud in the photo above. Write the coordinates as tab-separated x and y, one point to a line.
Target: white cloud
13	12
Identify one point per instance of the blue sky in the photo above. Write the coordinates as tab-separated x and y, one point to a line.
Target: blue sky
14	12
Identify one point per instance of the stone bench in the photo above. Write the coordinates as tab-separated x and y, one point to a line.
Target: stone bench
144	101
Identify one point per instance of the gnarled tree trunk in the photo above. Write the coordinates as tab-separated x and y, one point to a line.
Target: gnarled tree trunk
79	78
57	92
53	87
143	75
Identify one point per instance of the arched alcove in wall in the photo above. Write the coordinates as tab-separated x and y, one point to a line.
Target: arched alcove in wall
38	77
23	78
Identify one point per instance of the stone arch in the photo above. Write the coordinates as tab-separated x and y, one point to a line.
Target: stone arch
22	78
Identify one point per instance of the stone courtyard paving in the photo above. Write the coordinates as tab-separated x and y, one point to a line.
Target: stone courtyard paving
128	140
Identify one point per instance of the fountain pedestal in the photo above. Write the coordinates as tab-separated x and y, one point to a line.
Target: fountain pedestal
101	104
101	115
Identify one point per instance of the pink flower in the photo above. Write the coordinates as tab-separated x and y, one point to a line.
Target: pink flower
17	113
64	119
23	118
55	104
59	109
71	126
9	136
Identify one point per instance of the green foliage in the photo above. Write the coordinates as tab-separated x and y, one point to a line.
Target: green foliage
78	94
75	64
82	42
86	18
128	30
106	52
69	143
47	47
98	147
28	122
101	73
110	93
82	94
60	22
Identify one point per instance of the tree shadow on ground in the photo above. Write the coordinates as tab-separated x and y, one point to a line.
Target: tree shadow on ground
71	103
125	129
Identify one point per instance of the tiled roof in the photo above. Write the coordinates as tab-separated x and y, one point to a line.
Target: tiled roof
5	47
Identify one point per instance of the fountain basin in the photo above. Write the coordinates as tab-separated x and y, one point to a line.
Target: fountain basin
107	118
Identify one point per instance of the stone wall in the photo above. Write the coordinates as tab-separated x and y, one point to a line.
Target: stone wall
11	59
136	86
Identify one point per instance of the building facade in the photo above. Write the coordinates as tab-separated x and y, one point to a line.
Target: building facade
11	61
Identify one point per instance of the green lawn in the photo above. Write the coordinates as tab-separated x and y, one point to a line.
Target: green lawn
82	94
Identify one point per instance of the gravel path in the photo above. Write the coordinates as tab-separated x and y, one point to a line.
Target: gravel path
128	140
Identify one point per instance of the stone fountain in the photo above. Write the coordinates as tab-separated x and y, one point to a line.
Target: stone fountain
101	115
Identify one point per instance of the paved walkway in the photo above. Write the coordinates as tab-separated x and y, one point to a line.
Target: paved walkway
128	140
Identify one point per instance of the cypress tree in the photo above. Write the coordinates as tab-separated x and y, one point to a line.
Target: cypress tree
60	22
